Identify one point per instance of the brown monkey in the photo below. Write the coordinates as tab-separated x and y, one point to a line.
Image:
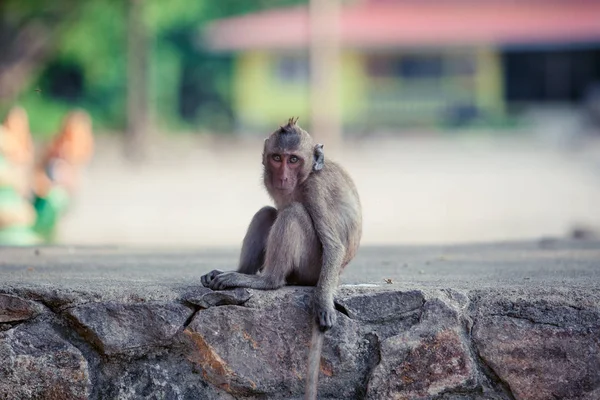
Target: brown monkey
310	236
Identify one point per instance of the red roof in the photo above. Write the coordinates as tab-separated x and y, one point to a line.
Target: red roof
419	23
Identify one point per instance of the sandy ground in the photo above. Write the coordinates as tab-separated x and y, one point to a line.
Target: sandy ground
198	192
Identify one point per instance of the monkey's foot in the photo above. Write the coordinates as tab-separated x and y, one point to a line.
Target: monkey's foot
325	316
208	278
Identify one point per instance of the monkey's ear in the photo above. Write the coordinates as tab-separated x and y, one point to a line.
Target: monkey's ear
319	157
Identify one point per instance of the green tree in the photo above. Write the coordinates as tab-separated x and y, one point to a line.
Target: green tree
82	62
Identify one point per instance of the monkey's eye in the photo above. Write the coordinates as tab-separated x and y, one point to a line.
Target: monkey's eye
294	159
276	157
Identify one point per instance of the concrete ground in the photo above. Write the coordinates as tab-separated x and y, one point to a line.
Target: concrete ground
152	273
195	192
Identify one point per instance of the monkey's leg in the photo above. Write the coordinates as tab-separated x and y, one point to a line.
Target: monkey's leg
252	256
292	250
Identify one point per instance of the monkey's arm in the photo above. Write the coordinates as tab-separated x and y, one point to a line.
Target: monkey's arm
333	256
324	306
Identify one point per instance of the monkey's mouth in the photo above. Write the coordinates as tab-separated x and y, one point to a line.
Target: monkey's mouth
284	188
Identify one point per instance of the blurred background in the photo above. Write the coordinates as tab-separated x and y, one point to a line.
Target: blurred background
460	120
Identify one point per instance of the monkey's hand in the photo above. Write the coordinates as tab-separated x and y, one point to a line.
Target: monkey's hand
226	280
208	278
325	315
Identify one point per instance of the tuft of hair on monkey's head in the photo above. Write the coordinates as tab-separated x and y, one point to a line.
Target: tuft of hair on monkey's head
290	137
291	128
291	124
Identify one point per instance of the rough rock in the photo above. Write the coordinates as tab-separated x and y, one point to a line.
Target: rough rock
208	298
58	299
389	343
430	358
541	348
14	308
379	306
37	363
115	328
262	348
166	375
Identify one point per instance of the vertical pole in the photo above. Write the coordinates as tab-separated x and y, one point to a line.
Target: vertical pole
137	81
324	27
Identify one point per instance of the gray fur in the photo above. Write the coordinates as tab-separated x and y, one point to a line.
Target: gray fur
288	141
311	235
308	239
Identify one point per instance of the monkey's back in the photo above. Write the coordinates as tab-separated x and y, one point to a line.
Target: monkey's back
331	194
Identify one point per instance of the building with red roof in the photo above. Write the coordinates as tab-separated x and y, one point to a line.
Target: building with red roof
409	62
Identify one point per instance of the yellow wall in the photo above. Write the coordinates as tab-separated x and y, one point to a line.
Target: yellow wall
263	99
260	98
353	87
489	81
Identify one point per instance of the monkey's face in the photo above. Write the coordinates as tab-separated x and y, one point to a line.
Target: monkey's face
287	158
285	170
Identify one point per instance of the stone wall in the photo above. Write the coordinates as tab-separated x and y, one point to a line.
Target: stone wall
391	342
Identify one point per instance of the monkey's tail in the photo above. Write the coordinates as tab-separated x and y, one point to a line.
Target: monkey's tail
314	363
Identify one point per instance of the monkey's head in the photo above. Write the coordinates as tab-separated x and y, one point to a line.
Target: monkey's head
290	156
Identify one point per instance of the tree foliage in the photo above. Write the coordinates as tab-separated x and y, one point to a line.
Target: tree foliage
84	63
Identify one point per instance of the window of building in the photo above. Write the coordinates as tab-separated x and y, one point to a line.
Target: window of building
292	68
406	65
420	66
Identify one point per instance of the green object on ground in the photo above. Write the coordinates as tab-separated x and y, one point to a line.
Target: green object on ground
49	209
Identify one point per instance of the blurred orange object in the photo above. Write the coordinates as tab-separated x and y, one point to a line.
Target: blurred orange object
17	145
70	150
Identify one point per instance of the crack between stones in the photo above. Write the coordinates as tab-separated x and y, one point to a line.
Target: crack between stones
189	319
65	329
50	307
487	369
339	307
373	364
12	324
74	329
